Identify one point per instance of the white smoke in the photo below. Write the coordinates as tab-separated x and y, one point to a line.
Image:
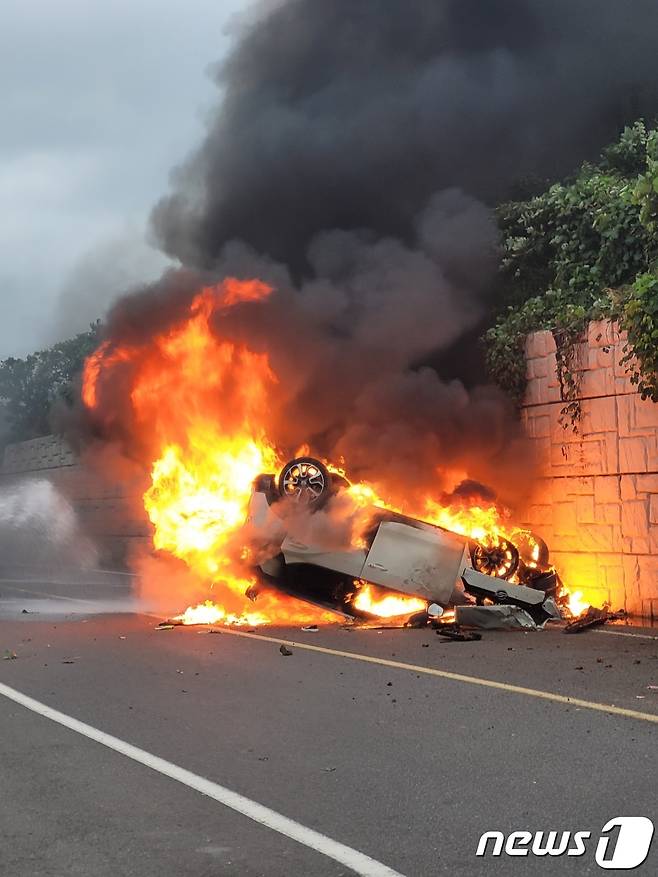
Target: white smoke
40	529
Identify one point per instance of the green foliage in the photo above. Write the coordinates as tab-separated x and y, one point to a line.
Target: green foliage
565	248
638	314
646	189
628	155
30	386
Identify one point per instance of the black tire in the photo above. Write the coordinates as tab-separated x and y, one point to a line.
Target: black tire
305	480
500	561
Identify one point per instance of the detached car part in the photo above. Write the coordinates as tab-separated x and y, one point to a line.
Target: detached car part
537	604
505	617
593	618
454	633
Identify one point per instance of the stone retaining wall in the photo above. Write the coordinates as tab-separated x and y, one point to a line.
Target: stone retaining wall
597	502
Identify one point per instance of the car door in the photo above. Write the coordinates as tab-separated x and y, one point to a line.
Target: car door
424	562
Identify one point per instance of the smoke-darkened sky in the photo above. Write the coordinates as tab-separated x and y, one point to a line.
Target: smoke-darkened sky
337	115
99	102
352	164
348	115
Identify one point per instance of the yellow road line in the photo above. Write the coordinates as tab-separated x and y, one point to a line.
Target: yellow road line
456	677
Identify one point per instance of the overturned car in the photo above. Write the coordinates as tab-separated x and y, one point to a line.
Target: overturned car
401	554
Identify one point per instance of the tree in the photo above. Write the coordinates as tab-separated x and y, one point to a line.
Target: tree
30	386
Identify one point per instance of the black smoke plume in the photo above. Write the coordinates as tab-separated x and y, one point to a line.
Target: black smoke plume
349	115
350	164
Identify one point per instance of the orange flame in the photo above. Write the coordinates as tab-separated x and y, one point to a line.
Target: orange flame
275	608
102	359
198	498
201	403
210	613
481	523
384	604
575	603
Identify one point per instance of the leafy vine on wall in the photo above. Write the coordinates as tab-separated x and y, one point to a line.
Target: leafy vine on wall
584	249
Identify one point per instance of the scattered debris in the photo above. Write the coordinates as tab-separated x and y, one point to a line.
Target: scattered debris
68	662
285	651
504	617
25	611
593	618
311	628
328	769
9	655
122	637
418	619
539	605
452	632
165	626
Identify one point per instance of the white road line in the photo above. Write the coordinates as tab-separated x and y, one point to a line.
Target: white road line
116	572
623	633
45	594
356	861
11	583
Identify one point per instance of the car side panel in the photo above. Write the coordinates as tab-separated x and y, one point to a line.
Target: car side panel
423	562
348	561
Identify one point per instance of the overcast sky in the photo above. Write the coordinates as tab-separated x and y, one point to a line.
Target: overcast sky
99	101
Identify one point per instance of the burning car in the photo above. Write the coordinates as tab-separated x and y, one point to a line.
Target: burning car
397	555
204	413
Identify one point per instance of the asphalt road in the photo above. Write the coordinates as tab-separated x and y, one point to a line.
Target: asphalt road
395	763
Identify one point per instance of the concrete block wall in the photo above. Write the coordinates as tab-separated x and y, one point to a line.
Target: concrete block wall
597	502
109	511
36	455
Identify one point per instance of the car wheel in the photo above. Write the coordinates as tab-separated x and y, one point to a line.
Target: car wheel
500	560
533	551
305	480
